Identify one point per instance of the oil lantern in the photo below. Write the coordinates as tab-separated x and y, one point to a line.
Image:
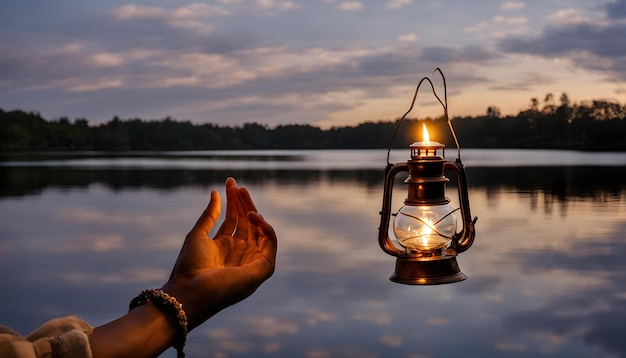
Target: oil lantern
425	227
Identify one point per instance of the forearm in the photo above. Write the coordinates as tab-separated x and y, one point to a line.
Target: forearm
145	331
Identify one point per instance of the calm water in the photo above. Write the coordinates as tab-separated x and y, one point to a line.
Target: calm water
547	273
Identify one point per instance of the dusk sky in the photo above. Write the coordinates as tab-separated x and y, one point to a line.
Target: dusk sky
320	62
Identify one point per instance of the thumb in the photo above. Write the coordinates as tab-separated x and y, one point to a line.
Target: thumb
210	215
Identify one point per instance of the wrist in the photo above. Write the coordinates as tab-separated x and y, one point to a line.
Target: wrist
143	332
173	313
183	296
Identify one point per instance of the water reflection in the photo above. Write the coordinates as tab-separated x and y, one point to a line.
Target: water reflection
546	274
562	183
593	314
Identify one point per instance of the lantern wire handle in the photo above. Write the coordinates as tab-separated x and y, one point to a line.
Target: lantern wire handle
443	103
445	111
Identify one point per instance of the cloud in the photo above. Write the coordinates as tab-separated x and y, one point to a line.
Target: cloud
568	17
616	10
192	17
377	318
236	84
512	6
525	81
229	79
604	41
195	17
435	4
281	5
510	347
131	12
439	54
481	26
397	4
199	10
97	85
438	321
267	326
317	315
350	5
411	37
591	46
191	11
228	60
104	59
141	275
393	341
510	20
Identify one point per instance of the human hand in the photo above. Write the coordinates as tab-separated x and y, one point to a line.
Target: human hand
212	274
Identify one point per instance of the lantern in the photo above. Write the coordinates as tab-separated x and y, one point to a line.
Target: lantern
425	227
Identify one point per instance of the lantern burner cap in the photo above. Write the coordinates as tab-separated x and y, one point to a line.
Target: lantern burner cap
426	145
427	149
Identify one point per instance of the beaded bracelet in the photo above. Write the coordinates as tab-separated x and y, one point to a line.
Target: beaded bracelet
171	305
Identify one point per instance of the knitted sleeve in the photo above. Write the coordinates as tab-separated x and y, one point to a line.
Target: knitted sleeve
58	338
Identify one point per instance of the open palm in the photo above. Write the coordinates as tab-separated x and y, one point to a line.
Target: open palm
212	274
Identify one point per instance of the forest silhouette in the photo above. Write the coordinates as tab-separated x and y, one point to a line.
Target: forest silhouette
597	125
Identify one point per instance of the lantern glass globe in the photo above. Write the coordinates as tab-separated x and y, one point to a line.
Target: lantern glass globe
425	227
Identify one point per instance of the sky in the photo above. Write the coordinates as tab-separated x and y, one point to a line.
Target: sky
320	62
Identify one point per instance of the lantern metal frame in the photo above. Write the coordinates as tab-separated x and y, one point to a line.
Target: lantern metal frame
426	186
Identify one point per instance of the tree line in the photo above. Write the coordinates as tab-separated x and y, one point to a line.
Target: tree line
588	125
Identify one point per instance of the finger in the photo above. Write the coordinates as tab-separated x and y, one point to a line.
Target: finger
267	240
246	199
210	215
247	205
230	222
265	266
243	226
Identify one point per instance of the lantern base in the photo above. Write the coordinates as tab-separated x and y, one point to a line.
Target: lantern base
438	271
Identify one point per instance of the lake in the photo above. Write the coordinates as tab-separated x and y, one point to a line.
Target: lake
83	233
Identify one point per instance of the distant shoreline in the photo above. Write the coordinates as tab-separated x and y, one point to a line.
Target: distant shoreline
596	126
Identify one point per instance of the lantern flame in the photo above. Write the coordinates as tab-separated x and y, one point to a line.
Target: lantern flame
425	135
428	226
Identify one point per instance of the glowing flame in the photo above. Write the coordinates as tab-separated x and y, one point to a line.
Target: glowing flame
428	225
425	134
